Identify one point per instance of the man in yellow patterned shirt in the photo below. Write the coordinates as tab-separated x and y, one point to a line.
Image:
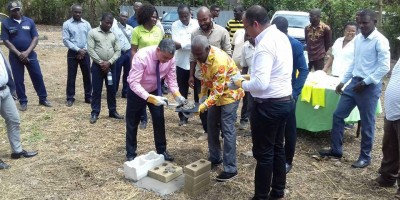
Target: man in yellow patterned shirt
217	68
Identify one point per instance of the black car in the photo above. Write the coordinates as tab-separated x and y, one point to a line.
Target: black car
167	21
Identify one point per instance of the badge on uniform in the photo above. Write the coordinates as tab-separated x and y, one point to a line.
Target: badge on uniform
26	27
12	30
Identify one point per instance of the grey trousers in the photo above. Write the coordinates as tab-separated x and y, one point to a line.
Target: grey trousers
9	112
223	118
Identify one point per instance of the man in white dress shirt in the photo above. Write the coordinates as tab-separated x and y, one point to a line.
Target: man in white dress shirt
9	112
181	34
124	33
271	87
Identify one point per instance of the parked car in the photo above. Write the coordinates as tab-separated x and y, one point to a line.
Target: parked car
167	20
297	22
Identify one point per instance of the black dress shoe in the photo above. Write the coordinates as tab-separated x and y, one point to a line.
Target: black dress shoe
329	153
361	164
115	115
45	103
288	167
130	158
167	157
89	101
382	182
69	103
23	107
4	165
23	153
93	118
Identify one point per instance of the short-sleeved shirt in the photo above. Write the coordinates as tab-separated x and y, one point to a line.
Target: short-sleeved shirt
233	25
318	40
141	37
19	34
342	57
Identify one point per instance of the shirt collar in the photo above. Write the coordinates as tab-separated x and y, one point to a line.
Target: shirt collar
263	33
211	56
101	30
372	35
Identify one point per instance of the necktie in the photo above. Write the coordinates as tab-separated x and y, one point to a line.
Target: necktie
159	93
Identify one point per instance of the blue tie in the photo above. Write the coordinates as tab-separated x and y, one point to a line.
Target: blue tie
159	93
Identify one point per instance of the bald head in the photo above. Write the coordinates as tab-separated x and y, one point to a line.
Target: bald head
204	19
203	11
136	6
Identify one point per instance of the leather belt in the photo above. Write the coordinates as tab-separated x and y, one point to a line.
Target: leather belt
281	99
3	87
358	78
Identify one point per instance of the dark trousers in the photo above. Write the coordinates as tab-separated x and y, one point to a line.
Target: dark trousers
268	119
33	67
123	62
134	109
244	112
391	151
72	70
366	101
290	135
203	116
98	78
182	77
316	64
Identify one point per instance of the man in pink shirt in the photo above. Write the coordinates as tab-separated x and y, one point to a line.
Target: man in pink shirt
149	66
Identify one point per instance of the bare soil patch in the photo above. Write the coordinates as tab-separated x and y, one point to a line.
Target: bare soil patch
78	160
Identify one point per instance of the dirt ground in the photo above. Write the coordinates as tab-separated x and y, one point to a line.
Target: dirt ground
79	160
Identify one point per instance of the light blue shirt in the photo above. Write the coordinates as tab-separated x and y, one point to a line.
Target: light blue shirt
75	34
392	95
371	58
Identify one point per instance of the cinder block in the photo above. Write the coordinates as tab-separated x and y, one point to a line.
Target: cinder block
198	191
194	180
139	167
194	187
165	172
197	168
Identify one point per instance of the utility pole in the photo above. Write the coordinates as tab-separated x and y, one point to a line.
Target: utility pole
380	10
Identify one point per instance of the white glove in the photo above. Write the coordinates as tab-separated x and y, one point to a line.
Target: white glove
157	100
232	86
181	100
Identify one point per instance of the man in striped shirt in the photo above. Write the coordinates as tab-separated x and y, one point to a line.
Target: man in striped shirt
234	24
391	130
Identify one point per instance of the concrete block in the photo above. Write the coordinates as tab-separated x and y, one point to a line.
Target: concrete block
198	189
160	187
165	172
194	180
197	168
194	187
139	167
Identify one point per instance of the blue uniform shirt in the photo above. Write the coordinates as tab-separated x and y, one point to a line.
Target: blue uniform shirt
20	35
299	63
132	21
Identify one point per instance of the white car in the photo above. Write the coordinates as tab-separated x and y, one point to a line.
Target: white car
297	22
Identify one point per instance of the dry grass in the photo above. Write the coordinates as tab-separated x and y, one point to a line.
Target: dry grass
78	160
